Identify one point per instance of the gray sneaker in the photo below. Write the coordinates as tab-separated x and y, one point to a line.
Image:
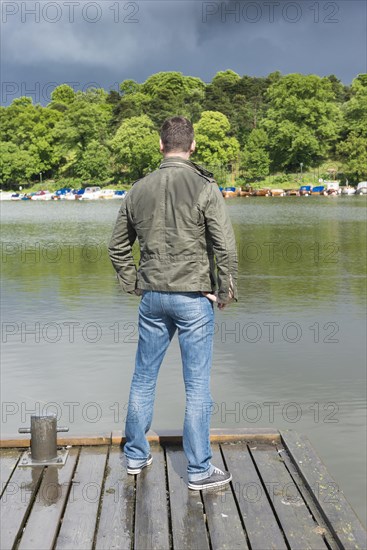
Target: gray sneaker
217	479
134	471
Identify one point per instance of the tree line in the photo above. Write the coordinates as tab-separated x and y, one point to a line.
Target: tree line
247	126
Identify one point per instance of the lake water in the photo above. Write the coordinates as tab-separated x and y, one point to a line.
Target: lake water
291	354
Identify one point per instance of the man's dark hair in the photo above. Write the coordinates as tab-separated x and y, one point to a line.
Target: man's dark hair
177	134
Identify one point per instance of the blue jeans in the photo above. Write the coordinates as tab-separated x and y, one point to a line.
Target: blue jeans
160	314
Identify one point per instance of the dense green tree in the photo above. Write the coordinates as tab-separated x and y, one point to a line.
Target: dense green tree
86	119
16	165
342	93
355	110
128	87
29	128
220	92
172	93
303	120
215	146
352	150
94	163
135	147
63	94
241	99
113	98
255	159
130	105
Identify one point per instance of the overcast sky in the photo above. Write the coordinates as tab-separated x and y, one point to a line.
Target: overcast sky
46	43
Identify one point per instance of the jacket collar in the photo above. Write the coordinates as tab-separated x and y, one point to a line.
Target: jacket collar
180	162
176	161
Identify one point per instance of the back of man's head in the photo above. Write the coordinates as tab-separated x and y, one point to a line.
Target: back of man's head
177	135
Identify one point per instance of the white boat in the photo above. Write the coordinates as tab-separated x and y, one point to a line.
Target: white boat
348	190
42	196
16	196
91	193
332	188
69	196
107	194
5	196
361	188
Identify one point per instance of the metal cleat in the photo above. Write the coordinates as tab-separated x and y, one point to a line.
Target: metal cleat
43	450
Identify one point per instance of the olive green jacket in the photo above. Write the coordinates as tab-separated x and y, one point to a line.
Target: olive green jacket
185	235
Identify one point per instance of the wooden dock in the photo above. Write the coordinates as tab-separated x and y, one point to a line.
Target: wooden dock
281	496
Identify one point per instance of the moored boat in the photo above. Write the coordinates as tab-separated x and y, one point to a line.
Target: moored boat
246	192
332	188
71	196
264	192
348	190
16	196
60	194
231	192
107	194
91	193
305	190
319	190
361	188
78	194
42	195
5	195
277	192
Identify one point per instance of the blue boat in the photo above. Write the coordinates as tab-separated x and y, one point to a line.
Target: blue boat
62	191
79	193
305	190
319	190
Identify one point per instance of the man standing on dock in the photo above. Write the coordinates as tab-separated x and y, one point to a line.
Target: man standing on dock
188	262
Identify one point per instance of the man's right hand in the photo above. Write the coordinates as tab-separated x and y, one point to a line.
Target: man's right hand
214	298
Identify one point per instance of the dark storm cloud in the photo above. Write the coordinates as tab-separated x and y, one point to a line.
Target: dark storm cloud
105	42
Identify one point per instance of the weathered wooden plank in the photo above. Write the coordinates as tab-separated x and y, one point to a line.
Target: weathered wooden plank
116	522
79	521
300	529
151	513
187	518
15	441
337	512
16	502
8	461
224	523
62	440
217	435
260	523
43	522
116	437
324	529
44	519
88	440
